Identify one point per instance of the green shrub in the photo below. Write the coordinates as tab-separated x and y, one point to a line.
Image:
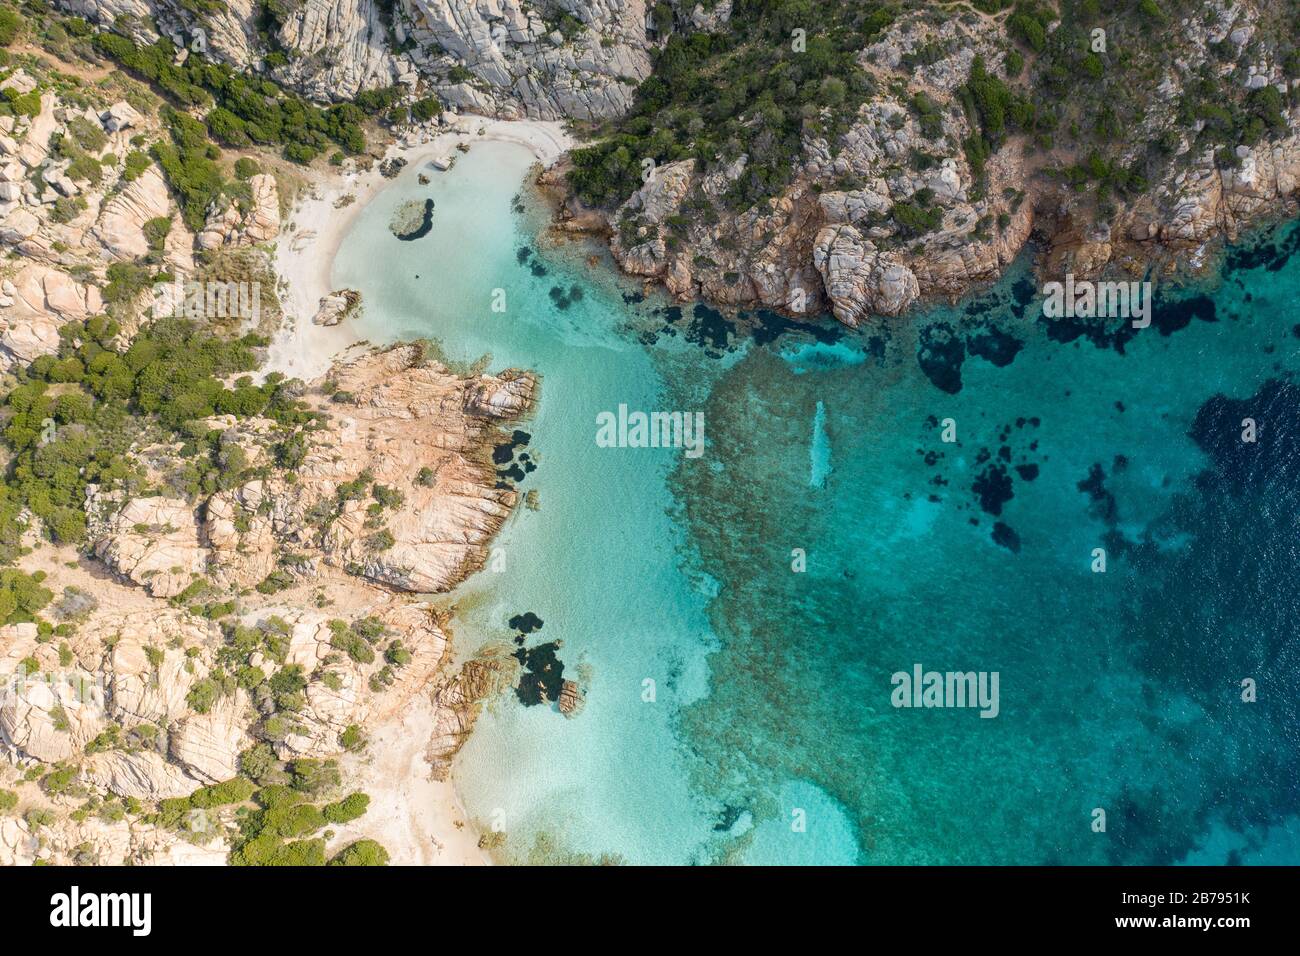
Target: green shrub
67	208
190	167
292	820
387	497
22	597
156	230
234	790
361	853
88	134
349	808
426	109
37	818
313	776
203	695
24	104
352	738
286	686
278	795
914	219
267	850
10	24
136	163
259	764
344	639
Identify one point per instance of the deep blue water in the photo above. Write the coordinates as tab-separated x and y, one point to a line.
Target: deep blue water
829	537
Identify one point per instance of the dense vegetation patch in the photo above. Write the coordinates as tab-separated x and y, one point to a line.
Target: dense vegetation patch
1095	82
275	816
22	596
244	109
755	88
72	417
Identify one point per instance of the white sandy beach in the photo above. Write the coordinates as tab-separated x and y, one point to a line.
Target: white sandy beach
305	252
421	821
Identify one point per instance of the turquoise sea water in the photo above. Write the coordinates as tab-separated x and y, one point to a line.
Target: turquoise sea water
736	618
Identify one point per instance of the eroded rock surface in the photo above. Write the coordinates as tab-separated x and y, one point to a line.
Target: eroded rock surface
154	542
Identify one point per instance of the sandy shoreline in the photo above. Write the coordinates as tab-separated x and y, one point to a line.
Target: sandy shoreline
421	821
308	244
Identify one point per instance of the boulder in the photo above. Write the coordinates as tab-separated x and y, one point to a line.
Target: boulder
120	229
42	299
233	226
336	307
507	396
146	655
154	542
208	745
144	775
861	280
19	225
50	716
36	145
121	115
242	541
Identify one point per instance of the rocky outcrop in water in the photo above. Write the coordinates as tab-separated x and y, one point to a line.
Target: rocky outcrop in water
459	700
831	239
413	219
440	528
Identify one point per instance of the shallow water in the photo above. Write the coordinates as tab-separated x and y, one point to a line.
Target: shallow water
737	618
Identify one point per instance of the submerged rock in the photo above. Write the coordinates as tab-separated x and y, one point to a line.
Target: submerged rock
543	676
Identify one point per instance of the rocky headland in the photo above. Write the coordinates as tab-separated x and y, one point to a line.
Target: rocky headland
182	618
951	163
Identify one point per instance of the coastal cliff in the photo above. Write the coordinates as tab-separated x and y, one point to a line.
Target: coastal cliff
1122	142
